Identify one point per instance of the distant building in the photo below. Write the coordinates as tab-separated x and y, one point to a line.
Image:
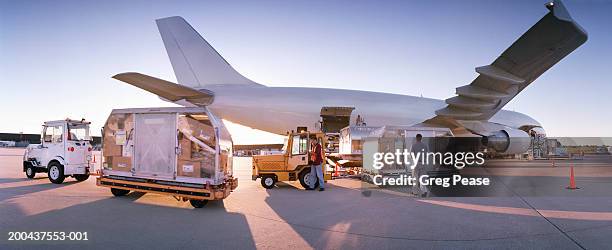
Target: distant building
23	140
602	150
7	143
19	137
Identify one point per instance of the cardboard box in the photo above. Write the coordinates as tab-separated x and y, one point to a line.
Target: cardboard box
185	145
203	132
119	163
188	168
202	154
109	148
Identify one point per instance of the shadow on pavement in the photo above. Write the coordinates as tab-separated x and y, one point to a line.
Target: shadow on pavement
385	220
123	222
11	192
11	180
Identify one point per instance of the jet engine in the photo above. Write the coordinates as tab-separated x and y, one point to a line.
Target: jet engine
508	141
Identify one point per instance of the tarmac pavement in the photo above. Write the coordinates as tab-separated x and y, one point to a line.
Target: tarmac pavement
530	208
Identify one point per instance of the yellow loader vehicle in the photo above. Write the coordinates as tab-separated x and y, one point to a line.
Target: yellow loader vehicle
292	164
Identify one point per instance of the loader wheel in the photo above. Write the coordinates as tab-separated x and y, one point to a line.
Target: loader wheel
306	178
56	173
30	172
198	203
268	181
119	192
81	177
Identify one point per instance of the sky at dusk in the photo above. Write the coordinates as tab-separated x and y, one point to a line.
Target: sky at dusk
57	57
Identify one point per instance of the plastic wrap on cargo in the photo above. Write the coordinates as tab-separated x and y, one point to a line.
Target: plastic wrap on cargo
117	136
156	138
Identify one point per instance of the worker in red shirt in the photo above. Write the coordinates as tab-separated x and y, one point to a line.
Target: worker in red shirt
316	161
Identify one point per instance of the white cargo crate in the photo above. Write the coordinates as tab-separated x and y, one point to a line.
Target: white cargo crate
183	145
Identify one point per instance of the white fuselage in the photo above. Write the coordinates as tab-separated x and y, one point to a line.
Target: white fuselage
281	109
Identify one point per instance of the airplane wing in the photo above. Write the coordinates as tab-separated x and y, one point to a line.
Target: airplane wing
167	90
551	39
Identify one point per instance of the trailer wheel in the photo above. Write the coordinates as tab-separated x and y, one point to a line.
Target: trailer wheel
56	172
81	177
119	192
306	178
198	203
30	171
268	181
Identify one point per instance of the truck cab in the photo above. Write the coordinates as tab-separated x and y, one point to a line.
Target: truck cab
291	164
65	150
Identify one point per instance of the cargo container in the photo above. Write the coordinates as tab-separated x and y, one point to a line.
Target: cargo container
351	145
182	152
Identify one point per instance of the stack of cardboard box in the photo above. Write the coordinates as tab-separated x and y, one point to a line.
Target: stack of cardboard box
186	165
195	160
207	160
200	130
113	154
112	149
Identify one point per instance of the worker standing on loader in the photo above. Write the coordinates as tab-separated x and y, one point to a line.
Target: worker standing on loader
316	163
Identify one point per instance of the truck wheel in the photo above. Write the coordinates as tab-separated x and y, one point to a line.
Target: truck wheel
81	177
306	178
119	192
198	203
268	181
56	173
30	171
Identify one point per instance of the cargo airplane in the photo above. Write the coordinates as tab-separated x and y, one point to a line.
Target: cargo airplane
206	79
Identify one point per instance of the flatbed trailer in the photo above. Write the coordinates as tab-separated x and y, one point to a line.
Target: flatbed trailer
180	190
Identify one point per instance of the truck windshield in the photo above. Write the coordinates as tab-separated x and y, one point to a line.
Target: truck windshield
77	132
300	145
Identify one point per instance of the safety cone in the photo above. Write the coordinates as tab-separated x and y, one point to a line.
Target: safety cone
336	171
572	184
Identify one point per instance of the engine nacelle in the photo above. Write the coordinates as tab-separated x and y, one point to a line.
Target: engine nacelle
508	141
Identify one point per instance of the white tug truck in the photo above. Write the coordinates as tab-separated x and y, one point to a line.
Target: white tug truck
65	150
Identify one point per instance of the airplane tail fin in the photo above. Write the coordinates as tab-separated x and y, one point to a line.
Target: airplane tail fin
196	63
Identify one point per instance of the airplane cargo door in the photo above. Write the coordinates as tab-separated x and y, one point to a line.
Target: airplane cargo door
333	119
154	145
